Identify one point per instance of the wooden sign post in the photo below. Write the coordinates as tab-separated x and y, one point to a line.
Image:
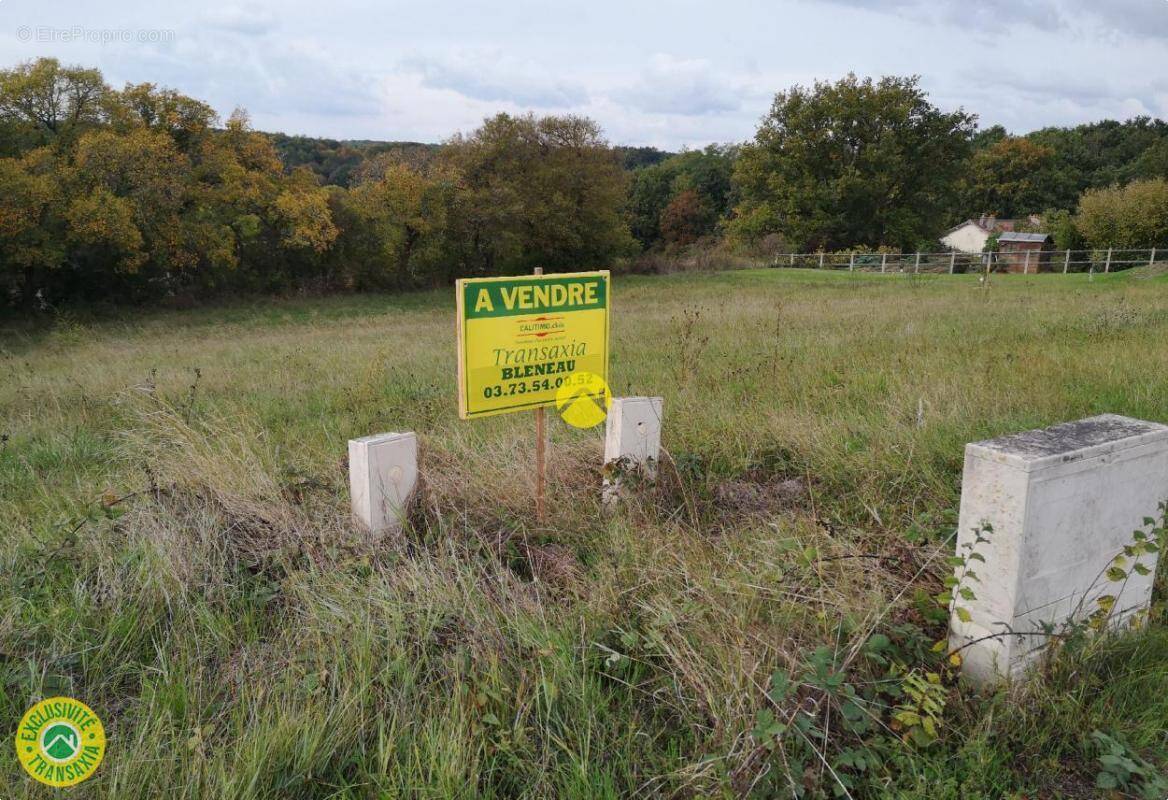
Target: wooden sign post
540	454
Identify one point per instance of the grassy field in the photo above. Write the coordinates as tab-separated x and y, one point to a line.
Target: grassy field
176	550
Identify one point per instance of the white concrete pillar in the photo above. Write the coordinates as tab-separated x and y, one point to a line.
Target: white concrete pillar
632	437
1063	502
383	471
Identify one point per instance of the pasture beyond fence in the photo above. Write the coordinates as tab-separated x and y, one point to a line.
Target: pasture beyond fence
1028	261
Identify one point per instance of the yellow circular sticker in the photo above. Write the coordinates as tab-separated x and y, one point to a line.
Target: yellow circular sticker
60	741
583	400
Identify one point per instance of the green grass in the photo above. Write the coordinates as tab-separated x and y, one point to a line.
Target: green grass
241	639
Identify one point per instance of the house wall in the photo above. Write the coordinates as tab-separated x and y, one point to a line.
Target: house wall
1012	256
969	238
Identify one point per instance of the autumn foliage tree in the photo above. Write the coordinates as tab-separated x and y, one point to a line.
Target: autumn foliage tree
1010	178
707	173
52	101
139	193
685	219
1132	216
143	193
534	192
131	194
395	223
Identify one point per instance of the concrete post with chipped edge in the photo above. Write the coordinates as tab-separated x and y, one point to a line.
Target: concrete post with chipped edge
1063	502
383	471
632	437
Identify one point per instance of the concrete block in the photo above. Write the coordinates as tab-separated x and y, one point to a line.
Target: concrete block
633	431
383	471
632	437
1063	502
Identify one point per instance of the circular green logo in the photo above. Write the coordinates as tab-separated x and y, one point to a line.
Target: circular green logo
60	741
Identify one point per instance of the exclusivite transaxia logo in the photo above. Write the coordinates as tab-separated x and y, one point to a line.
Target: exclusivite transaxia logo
60	741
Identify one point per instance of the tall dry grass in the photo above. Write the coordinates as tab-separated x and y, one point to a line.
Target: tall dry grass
179	553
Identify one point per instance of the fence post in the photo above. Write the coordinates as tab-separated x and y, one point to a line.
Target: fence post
1152	258
917	265
1026	264
821	259
952	261
1067	262
852	262
883	261
792	259
1107	266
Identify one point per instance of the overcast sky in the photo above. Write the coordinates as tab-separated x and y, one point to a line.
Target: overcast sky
669	74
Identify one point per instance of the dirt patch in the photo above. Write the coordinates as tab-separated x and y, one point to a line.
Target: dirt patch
750	497
553	564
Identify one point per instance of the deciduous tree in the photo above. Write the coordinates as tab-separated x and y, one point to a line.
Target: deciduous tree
536	192
1010	178
1133	216
51	100
708	173
853	162
685	219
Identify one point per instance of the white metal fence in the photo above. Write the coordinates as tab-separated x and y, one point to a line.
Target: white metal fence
1025	261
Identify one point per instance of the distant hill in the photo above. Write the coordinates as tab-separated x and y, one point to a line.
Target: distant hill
336	160
635	157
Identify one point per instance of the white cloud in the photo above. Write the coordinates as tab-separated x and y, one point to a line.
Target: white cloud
669	74
690	87
276	84
1136	18
250	20
493	75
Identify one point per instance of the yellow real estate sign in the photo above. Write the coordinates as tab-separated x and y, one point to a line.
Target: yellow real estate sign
520	339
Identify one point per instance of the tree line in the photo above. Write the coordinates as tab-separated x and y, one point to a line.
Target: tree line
873	164
142	193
